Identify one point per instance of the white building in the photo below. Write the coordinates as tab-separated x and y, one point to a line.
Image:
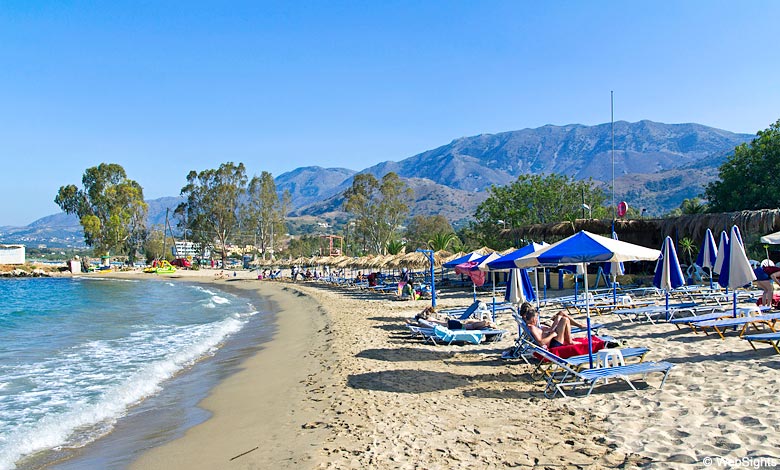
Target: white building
12	254
184	249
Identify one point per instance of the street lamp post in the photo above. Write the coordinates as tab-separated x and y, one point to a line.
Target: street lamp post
429	255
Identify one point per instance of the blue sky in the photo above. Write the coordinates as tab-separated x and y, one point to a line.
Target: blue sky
163	88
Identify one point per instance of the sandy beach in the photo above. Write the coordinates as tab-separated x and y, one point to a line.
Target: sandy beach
342	386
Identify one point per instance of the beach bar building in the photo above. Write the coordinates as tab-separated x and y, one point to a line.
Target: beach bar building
11	254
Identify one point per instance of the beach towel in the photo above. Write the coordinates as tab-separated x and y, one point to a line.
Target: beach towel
775	301
579	347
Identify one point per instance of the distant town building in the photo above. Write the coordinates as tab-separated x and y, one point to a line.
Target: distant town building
12	254
182	249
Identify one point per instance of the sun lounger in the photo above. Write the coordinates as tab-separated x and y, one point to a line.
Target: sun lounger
772	338
715	313
447	336
652	312
435	333
464	313
720	326
544	367
569	376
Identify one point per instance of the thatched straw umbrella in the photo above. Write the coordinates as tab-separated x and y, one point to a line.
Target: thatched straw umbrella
414	260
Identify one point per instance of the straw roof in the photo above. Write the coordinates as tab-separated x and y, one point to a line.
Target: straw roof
651	232
418	260
454	256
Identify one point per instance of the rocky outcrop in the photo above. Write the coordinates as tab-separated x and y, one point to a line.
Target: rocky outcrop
22	273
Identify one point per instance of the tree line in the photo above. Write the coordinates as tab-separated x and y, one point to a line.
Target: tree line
222	205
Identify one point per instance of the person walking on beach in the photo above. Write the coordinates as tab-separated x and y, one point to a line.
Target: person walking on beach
403	281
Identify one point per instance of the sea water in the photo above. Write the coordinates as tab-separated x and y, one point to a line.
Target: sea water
77	353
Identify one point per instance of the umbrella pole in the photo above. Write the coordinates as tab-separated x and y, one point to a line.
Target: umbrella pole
587	320
667	305
536	282
575	292
614	289
494	295
544	283
734	313
710	277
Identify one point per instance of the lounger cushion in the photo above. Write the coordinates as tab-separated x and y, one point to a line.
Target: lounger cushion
579	347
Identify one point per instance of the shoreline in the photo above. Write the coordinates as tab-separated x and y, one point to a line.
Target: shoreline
260	416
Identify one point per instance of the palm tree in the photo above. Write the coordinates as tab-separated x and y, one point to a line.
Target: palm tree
394	247
693	206
689	248
441	241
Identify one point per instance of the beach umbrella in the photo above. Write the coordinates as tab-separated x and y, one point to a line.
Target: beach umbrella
474	272
474	255
583	248
723	246
507	262
483	266
736	270
668	274
518	287
708	253
771	239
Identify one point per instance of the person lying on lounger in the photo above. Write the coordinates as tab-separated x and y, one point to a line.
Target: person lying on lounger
430	315
557	334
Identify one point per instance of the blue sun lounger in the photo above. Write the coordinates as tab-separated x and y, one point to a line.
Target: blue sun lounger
447	336
569	376
437	334
650	312
716	314
772	338
720	326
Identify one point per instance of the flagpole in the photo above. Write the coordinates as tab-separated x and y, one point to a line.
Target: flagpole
612	118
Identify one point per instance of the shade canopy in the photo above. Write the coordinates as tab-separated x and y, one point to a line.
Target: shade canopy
668	274
482	263
507	261
586	247
771	239
614	268
474	255
708	252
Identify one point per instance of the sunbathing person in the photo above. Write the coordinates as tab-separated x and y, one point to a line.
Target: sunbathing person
572	321
557	334
470	324
430	316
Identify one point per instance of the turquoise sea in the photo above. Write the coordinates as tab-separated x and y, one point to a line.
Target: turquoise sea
81	357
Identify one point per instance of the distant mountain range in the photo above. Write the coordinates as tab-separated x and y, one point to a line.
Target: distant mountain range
656	166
